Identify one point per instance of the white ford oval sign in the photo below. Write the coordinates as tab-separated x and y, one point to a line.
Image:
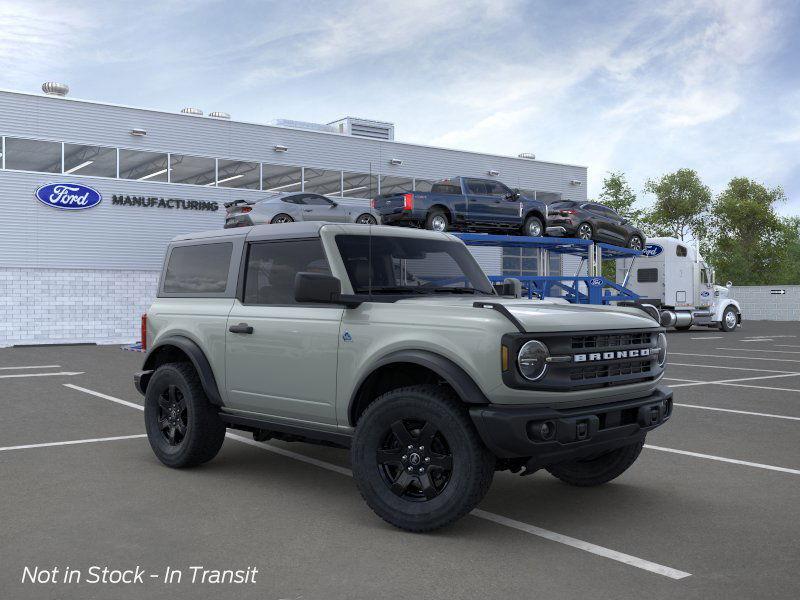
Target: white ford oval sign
652	250
68	196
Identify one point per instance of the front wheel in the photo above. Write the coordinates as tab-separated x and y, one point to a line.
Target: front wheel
417	459
597	470
533	227
183	427
729	320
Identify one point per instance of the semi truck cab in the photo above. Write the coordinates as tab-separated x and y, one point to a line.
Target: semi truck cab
672	276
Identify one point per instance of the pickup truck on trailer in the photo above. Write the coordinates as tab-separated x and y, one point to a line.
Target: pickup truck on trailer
465	203
392	342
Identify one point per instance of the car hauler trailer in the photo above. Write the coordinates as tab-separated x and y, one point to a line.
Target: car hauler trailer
672	276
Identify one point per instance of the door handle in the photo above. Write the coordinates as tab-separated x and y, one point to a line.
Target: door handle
240	328
308	209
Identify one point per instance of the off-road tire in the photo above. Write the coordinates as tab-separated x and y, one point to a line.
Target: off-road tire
530	222
472	464
431	219
205	431
597	471
723	325
281	218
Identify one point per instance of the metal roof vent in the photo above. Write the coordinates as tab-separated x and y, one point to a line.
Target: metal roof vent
192	111
219	115
377	130
527	155
51	88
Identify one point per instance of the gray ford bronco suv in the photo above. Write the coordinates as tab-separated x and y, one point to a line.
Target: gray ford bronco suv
392	342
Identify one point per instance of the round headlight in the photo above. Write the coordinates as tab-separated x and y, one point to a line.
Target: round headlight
532	360
662	349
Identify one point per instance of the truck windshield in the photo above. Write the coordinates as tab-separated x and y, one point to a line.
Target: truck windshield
407	265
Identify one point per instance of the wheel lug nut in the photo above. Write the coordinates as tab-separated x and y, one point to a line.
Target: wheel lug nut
422	470
411	447
422	448
410	469
405	457
427	459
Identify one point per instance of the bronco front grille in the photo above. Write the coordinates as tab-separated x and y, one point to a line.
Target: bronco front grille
611	340
632	367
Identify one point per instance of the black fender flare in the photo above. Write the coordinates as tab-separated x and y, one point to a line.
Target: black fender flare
198	359
535	212
463	385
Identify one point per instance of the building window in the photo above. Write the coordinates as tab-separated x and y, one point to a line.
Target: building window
144	166
396	185
237	174
322	181
33	155
96	161
360	185
194	170
423	185
280	178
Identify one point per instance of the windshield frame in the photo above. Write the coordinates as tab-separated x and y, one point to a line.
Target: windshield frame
475	280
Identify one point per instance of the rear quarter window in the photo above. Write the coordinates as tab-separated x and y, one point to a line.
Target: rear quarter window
198	269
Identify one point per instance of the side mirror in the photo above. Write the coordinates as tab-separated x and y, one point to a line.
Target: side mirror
317	287
334	204
729	285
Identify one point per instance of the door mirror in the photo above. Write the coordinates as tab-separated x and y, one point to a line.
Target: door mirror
512	195
317	287
334	204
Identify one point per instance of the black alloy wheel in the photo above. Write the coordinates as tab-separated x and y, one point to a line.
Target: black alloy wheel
172	417
635	243
282	218
414	460
584	231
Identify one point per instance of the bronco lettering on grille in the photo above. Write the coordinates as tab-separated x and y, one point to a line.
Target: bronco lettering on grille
595	356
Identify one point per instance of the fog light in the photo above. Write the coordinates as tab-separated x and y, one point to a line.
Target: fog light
543	431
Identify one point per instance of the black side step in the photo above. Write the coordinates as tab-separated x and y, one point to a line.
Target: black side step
303	433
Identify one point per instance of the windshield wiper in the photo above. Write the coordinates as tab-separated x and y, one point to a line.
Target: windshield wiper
458	290
391	289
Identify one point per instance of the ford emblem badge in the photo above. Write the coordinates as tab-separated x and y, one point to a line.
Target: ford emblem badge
68	196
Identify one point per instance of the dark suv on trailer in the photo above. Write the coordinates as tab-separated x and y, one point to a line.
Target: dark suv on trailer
593	221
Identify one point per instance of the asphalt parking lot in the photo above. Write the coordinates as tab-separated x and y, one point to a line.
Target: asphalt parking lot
710	510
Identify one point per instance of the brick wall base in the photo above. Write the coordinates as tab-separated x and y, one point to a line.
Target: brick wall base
64	306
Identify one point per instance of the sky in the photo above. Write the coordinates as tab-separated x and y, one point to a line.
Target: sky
639	87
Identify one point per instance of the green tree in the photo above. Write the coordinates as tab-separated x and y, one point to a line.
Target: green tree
749	243
618	195
681	205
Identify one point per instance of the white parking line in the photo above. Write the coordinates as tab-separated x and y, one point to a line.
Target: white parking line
787	346
761	387
740	412
708	337
734	381
739	357
73	442
481	514
17	375
31	367
723	459
673	364
759	350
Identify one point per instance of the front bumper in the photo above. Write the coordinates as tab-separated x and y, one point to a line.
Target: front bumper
514	431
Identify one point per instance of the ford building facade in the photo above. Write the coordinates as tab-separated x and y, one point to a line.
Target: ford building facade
90	194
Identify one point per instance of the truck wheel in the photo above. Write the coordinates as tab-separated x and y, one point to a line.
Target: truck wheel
183	427
729	320
584	231
417	459
437	220
598	470
533	227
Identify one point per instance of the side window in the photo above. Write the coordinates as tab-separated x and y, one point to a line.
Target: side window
315	200
681	251
198	269
476	186
272	266
495	188
704	276
647	275
445	187
294	199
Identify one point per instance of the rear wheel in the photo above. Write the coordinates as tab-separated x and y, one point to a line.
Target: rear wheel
417	459
183	427
437	220
367	219
599	469
533	227
729	320
282	218
584	231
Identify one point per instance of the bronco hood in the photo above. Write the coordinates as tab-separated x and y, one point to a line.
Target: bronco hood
541	315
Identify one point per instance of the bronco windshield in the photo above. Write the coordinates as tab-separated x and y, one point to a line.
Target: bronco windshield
378	264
